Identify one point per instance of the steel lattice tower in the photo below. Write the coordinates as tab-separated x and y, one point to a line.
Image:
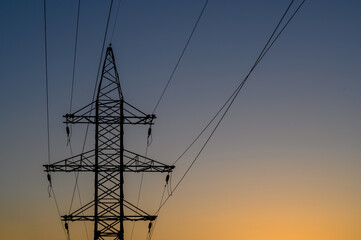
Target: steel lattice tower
109	160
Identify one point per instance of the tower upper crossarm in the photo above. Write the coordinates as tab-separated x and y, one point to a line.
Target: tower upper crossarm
132	115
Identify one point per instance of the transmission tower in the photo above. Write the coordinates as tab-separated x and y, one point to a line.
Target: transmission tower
109	160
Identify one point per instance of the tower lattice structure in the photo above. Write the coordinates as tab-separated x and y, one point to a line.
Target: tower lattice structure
108	161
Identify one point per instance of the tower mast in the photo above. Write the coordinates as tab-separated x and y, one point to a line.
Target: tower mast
109	160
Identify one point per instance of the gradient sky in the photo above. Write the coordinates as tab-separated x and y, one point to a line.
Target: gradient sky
285	162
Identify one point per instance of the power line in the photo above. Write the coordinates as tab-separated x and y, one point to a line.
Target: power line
225	104
47	108
164	90
150	233
58	210
115	21
181	56
93	97
46	82
234	95
171	77
138	199
74	59
71	97
142	177
101	55
76	187
97	77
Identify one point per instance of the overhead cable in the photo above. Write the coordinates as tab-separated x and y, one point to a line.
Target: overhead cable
68	131
181	56
97	76
74	58
149	135
58	210
46	82
150	232
234	95
71	102
47	109
115	21
76	187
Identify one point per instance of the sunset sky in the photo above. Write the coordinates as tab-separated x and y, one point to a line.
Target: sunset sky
285	163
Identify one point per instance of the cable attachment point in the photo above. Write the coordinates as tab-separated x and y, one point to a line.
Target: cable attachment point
50	186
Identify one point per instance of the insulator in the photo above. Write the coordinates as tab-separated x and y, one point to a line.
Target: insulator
66	226
49	177
150	226
67	130
149	131
167	179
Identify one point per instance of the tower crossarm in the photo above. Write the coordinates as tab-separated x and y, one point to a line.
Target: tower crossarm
138	163
108	218
135	214
79	163
132	115
85	163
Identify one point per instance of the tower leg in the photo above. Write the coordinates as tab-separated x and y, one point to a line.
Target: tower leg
121	233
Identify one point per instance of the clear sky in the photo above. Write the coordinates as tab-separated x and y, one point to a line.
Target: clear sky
285	162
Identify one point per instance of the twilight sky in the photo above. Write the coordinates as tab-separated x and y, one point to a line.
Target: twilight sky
285	162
